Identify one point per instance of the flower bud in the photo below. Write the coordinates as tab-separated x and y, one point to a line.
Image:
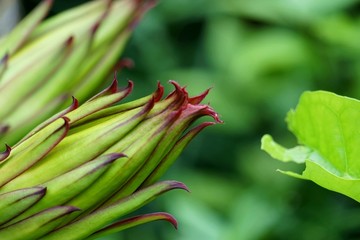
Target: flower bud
92	163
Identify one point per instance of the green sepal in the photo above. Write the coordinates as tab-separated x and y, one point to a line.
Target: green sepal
133	222
95	138
89	224
14	203
37	225
137	149
118	109
12	90
45	123
182	120
70	16
58	83
67	186
21	32
22	158
99	103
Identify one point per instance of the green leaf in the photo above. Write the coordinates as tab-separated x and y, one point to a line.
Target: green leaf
326	126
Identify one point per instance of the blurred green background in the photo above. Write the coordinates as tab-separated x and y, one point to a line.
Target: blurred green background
258	56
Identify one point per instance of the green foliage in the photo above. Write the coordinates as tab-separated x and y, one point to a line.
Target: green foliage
325	125
258	57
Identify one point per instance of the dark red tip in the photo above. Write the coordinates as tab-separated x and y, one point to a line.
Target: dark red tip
179	91
4	59
198	99
6	153
113	87
159	92
94	28
124	63
49	2
205	110
129	87
107	91
115	156
70	41
74	104
143	7
177	185
4	128
210	112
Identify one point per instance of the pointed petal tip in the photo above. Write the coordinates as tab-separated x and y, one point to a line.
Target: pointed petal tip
214	115
49	2
156	216
6	153
158	94
115	156
4	128
145	2
8	148
129	87
71	209
113	88
179	92
125	63
169	218
5	59
176	85
74	104
98	23
149	105
206	110
198	99
177	185
94	28
70	41
40	190
142	8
